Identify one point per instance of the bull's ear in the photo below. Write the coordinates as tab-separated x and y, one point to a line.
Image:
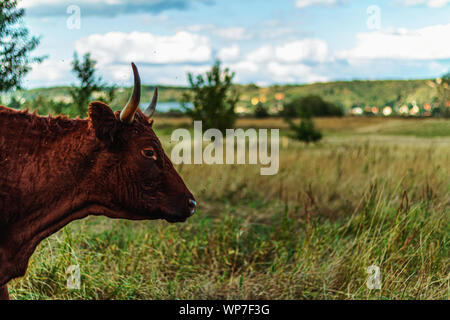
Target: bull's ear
104	121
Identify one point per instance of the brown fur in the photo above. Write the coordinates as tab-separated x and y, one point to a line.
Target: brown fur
56	170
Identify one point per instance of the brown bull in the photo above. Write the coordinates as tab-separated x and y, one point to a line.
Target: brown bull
56	170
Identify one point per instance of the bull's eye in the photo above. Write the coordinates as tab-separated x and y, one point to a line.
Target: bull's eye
149	153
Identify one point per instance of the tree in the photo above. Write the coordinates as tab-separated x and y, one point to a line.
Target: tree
214	98
16	45
89	83
312	105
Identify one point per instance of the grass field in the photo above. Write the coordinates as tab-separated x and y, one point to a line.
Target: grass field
373	192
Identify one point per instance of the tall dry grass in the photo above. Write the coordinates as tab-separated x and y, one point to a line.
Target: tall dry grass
309	232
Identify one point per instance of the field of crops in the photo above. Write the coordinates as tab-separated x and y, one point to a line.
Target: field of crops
373	192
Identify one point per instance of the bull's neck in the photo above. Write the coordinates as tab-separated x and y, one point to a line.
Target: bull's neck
43	187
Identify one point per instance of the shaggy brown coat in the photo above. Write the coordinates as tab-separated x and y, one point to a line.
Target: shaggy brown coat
56	170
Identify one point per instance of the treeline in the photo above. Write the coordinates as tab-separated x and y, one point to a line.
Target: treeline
312	105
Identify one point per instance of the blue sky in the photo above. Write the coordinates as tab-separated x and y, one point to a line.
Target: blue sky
263	41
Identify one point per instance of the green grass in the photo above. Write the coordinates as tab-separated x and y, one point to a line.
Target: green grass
309	232
429	129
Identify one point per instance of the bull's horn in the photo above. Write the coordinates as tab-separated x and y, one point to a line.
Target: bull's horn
127	114
152	106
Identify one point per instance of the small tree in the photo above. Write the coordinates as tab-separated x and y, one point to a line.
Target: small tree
16	44
214	98
89	83
305	131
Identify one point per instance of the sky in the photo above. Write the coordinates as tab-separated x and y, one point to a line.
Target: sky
264	42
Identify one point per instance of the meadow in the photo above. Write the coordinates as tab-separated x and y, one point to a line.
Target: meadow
373	192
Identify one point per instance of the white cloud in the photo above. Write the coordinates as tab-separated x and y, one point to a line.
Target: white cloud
293	73
143	47
307	3
198	27
232	33
49	73
262	54
429	3
118	73
429	43
244	67
315	50
229	33
285	63
305	50
273	72
272	32
229	53
161	59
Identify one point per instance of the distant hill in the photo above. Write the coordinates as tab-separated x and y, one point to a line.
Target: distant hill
351	93
344	93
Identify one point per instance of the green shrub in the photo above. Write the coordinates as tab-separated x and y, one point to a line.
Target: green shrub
260	111
311	105
305	131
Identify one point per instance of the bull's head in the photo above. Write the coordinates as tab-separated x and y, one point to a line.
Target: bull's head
136	174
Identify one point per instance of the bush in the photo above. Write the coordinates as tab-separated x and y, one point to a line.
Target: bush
260	111
305	131
173	113
311	105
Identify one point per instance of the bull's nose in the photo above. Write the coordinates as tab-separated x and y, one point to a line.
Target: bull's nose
192	206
